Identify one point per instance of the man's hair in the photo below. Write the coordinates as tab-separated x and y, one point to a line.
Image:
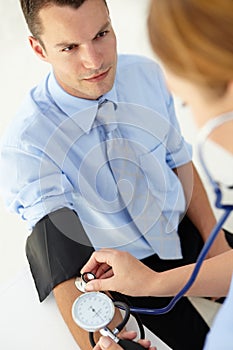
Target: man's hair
31	9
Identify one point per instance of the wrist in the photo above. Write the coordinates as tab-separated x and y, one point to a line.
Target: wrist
220	245
169	283
156	284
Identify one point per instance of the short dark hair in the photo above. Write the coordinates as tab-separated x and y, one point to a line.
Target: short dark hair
31	10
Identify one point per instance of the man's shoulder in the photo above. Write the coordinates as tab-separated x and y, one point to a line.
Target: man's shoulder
31	111
35	101
136	75
125	59
138	68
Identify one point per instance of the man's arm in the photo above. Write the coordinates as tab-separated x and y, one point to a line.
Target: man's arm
199	210
65	294
56	250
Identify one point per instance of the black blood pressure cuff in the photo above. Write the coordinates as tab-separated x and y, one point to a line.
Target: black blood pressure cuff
57	249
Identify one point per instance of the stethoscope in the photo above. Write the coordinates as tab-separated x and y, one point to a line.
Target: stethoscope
93	311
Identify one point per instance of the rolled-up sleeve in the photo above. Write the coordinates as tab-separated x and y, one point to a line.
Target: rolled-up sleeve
179	152
32	185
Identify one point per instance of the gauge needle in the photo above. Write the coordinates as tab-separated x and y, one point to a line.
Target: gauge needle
96	312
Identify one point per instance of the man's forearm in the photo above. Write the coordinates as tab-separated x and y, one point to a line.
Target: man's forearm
65	294
198	207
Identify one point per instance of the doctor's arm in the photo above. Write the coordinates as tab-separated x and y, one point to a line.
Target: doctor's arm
213	279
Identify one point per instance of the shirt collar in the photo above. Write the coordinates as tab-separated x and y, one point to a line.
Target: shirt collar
72	106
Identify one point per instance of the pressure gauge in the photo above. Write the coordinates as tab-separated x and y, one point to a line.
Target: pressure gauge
93	311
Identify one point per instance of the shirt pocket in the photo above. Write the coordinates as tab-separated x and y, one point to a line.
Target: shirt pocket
163	186
161	180
153	165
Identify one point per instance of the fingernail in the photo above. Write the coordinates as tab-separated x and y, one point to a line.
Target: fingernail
105	342
89	287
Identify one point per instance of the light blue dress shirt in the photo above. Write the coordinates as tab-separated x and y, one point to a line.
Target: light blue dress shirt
53	156
221	334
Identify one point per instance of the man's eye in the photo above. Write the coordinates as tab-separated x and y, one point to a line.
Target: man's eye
69	48
102	34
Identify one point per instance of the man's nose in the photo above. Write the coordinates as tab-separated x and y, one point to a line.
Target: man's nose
91	57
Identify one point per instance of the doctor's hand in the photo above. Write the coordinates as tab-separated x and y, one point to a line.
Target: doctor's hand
119	271
105	343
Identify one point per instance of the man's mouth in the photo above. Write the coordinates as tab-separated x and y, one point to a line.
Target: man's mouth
98	77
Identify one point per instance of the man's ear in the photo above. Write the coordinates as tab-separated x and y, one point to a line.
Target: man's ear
38	48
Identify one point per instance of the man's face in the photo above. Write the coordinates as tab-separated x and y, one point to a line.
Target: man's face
80	44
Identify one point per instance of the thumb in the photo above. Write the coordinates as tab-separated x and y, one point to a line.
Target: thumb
98	285
107	343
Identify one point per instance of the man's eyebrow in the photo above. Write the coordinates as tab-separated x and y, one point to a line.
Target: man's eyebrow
66	43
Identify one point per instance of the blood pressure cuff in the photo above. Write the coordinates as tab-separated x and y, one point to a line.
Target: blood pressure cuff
57	249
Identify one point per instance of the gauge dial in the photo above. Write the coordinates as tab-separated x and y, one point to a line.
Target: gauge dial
93	311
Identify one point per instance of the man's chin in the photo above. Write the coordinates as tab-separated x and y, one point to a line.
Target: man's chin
93	93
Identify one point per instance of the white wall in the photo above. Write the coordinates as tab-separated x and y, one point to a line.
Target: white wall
21	69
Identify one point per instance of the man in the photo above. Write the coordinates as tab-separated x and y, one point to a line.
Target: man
56	152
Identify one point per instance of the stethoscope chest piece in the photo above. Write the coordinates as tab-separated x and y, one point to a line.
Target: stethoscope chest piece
80	282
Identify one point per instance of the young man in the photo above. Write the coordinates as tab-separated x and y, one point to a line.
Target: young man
63	174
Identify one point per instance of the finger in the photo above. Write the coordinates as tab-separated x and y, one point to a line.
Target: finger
128	335
95	271
109	273
102	271
97	347
145	343
91	265
131	335
106	343
100	285
97	258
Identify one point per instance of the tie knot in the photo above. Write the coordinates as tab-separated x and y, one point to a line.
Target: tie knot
106	116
